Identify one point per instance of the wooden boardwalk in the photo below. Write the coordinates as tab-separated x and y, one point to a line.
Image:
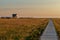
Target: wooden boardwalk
50	32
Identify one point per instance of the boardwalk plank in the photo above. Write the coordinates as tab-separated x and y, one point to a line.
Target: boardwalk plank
50	32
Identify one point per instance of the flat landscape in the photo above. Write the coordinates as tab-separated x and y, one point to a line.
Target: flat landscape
22	29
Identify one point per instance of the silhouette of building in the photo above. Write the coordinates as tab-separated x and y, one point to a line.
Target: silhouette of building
14	15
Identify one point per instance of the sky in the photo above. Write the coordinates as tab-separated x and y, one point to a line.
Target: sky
32	8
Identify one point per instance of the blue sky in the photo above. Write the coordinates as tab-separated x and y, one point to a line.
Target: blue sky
26	3
31	7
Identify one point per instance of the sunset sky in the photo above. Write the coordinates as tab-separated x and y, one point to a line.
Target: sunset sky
32	8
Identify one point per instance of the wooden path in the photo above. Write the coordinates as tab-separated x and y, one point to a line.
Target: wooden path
50	32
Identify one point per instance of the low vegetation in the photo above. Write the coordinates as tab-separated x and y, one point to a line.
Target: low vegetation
57	25
22	29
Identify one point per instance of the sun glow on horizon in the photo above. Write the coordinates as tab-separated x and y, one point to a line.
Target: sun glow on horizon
30	7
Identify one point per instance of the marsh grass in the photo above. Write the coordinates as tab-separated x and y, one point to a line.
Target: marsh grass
57	26
22	29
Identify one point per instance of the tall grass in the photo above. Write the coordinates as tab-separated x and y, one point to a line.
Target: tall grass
57	26
22	29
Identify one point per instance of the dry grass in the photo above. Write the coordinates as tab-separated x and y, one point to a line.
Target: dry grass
57	25
21	29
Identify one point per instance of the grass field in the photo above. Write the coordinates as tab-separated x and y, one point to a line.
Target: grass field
57	25
22	29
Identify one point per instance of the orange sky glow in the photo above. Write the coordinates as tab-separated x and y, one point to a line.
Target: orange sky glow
31	8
